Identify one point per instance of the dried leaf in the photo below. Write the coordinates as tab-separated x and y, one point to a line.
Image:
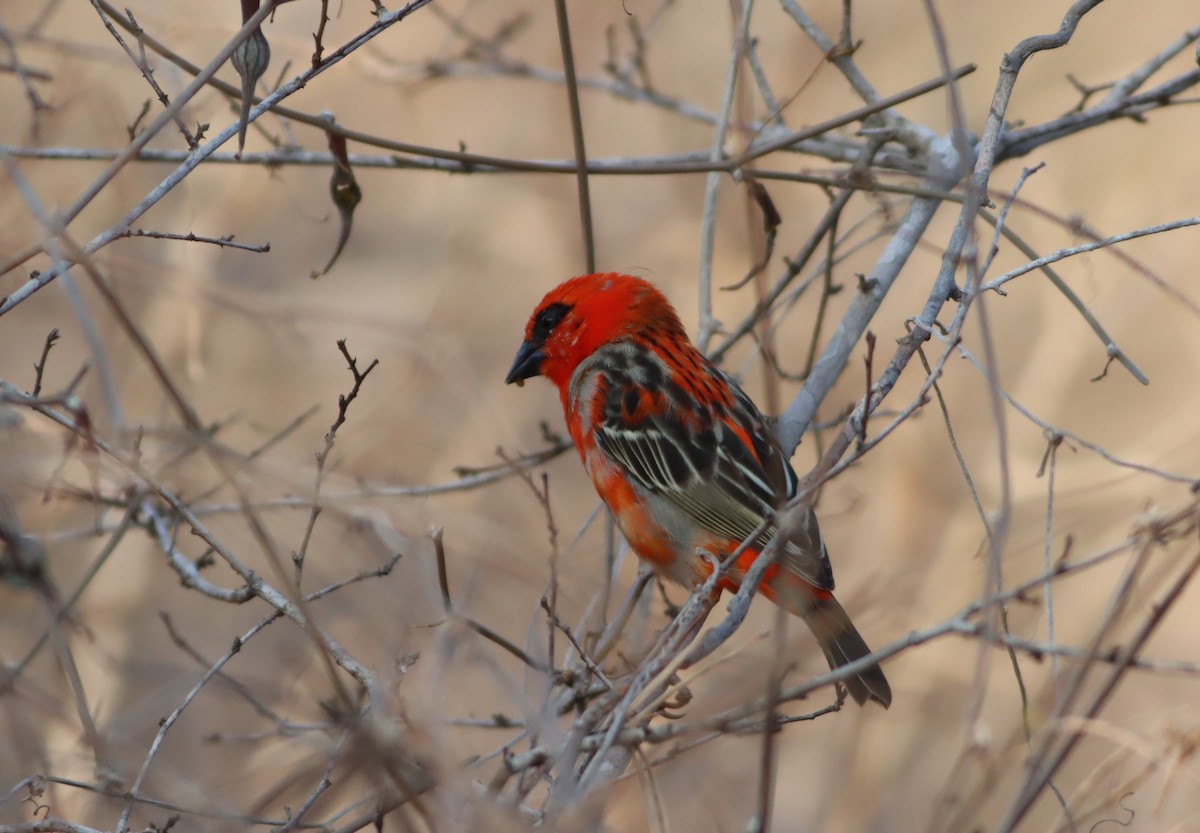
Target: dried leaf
344	190
771	222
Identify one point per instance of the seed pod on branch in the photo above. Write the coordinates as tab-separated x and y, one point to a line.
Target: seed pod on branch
344	190
250	61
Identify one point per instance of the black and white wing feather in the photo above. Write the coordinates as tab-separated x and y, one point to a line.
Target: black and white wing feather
719	463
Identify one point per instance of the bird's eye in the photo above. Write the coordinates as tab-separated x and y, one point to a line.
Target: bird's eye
548	319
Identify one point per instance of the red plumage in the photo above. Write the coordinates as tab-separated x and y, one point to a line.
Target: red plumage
679	453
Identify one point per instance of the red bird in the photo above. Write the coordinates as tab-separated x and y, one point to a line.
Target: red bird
685	461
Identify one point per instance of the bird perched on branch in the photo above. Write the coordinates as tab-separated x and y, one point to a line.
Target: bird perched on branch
685	461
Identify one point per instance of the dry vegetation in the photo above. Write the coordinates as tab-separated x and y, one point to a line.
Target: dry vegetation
279	550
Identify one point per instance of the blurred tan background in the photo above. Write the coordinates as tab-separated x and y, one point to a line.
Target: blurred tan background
437	281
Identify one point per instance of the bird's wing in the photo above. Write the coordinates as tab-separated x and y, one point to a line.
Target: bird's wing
720	465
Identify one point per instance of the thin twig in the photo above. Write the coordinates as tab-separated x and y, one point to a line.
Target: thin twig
581	162
708	221
190	237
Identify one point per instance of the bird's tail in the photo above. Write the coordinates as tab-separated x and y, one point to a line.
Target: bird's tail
835	633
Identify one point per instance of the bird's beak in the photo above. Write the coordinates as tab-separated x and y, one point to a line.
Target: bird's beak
527	364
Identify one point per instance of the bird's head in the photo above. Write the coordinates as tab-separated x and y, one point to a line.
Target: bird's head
578	317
